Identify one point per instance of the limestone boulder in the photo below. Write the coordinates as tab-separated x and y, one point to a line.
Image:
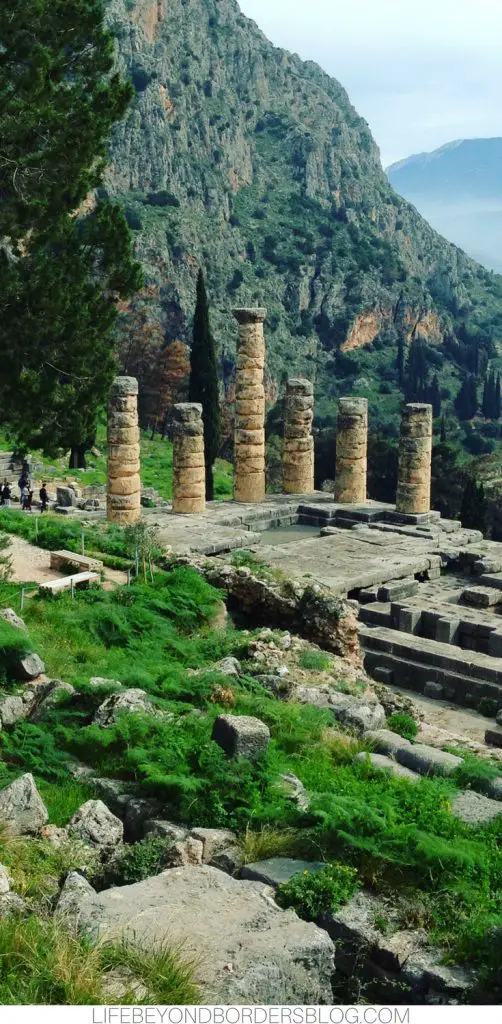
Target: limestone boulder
428	760
95	824
127	701
12	710
76	891
166	830
22	809
228	667
246	949
29	667
241	735
275	871
4	880
13	905
184	853
475	809
9	615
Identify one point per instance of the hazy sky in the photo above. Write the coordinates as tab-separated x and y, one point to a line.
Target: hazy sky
422	72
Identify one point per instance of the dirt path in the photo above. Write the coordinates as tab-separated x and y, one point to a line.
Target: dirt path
32	565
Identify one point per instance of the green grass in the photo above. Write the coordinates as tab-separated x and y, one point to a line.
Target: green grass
400	837
314	661
41	963
156	466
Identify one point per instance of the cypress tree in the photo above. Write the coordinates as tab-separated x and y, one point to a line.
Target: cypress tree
203	386
443	435
466	402
434	397
473	512
497	409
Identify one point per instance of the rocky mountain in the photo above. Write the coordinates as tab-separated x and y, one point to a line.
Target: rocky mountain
458	189
241	157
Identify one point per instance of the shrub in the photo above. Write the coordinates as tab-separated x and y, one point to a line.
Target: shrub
312	893
488	707
403	724
316	661
139	861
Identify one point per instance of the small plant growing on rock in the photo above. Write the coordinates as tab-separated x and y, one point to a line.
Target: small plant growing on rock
312	893
139	861
403	724
315	661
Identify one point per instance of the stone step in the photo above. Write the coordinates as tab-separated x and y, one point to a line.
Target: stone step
60	559
482	597
493	579
376	614
400	588
469	664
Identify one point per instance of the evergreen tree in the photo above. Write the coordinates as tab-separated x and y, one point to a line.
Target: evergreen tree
466	402
473	512
60	272
400	359
434	397
497	406
443	434
203	386
416	385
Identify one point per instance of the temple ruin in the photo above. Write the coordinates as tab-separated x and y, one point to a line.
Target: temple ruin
124	485
189	474
249	467
415	456
298	457
351	450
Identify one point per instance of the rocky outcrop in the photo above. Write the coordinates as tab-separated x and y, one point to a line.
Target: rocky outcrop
246	950
312	612
220	118
95	824
22	809
241	735
125	701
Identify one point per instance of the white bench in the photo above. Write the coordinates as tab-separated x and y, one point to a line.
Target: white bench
60	559
81	579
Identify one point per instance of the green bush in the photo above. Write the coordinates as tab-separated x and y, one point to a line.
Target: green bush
403	724
312	893
315	661
137	862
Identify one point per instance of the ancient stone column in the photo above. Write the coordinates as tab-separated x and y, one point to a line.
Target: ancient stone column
124	485
189	474
249	482
415	454
351	450
298	457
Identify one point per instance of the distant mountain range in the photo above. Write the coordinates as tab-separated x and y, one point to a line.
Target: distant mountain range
458	189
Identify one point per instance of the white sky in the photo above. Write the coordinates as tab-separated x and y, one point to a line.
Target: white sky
422	72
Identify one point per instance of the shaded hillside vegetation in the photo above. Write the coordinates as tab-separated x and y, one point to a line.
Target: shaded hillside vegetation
240	156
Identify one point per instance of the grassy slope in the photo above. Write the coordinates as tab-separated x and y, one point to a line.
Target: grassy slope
399	836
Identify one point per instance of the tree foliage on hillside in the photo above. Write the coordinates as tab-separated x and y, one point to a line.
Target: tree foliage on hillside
63	262
203	386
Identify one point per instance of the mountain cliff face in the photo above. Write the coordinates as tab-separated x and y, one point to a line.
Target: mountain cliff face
458	188
241	157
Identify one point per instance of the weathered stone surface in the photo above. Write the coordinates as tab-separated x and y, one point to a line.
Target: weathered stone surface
9	615
241	735
21	807
76	891
51	694
415	454
474	809
494	788
114	793
166	830
189	475
428	760
130	701
139	810
11	904
358	713
185	853
351	450
384	763
245	948
493	737
12	710
30	666
295	791
98	681
434	690
124	486
95	824
228	667
386	741
298	452
276	870
249	471
4	880
214	842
